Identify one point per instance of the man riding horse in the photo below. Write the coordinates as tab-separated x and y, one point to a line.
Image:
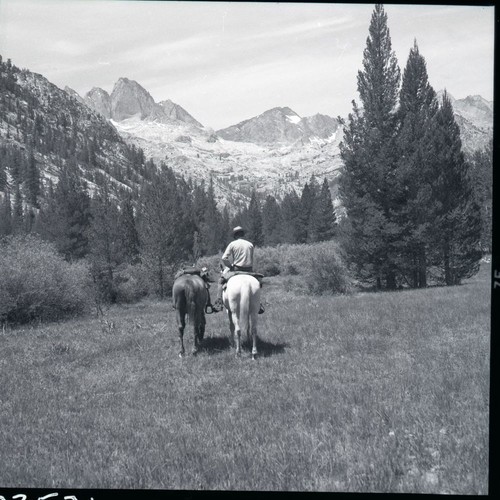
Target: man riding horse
238	256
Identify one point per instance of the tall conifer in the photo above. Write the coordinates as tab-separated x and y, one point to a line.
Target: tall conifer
323	220
290	213
415	173
254	220
457	228
271	221
368	151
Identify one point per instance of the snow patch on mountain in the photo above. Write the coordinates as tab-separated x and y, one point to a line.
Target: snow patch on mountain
293	118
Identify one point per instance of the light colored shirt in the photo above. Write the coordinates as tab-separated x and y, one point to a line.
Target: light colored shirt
240	252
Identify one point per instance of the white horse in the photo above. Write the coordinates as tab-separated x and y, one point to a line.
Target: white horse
242	301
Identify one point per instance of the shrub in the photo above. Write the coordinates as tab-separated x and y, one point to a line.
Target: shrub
326	272
315	268
37	283
131	283
294	258
267	261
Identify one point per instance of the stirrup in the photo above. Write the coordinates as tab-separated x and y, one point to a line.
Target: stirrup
261	309
207	311
218	306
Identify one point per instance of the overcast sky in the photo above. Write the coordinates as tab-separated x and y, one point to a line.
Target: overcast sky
225	62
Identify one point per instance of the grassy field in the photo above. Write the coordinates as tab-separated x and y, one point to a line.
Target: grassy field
372	392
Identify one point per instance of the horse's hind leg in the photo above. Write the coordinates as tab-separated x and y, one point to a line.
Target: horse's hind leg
237	333
199	332
231	328
253	328
181	324
203	322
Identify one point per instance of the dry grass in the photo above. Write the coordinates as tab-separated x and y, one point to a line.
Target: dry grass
367	393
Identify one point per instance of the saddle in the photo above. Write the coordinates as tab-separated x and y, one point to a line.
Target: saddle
202	272
227	276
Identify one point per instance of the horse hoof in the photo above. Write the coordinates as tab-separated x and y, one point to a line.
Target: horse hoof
181	355
254	357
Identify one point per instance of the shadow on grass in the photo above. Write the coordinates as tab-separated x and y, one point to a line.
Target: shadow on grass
214	345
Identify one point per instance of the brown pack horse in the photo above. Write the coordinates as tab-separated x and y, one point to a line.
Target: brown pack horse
190	298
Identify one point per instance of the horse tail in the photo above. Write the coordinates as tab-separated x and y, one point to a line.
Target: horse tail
190	294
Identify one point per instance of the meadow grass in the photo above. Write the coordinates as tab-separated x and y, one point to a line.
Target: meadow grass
372	392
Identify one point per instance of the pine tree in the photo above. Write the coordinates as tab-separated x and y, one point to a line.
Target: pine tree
3	175
162	226
225	226
308	199
6	215
367	184
18	212
290	218
67	215
106	250
32	181
415	173
481	178
129	234
271	221
254	221
212	230
457	229
323	220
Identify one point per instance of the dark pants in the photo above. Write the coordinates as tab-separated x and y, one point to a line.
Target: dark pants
245	269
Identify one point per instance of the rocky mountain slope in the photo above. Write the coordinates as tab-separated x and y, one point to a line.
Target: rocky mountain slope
474	116
273	152
53	127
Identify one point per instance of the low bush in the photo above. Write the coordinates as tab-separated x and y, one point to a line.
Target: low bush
267	261
37	283
326	271
317	268
132	283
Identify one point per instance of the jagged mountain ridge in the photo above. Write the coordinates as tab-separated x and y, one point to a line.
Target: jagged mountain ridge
280	126
130	99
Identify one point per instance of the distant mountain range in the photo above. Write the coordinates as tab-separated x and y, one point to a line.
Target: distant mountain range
273	152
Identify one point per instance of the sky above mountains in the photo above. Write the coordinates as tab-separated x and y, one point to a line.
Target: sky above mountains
225	62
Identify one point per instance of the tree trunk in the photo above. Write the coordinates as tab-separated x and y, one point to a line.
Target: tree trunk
446	262
422	268
391	281
160	277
